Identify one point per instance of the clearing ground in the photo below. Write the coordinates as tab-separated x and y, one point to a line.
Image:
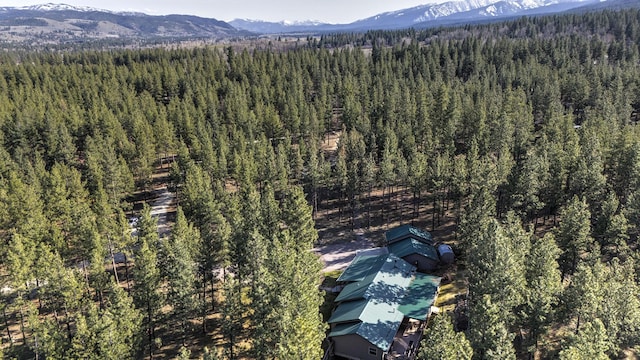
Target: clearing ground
338	255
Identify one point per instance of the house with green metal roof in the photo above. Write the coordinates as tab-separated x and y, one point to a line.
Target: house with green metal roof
382	309
384	282
420	296
368	323
419	254
361	267
408	232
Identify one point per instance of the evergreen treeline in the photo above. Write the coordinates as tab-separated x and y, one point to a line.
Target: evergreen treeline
525	131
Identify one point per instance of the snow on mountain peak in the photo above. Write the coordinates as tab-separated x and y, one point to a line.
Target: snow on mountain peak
58	7
300	23
449	8
491	10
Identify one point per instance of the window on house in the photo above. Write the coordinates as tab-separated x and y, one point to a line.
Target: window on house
373	351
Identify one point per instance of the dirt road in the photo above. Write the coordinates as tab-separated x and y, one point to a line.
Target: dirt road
161	207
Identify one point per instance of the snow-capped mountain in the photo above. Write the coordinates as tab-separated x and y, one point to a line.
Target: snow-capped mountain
509	8
58	7
57	23
51	7
465	10
429	12
446	13
500	8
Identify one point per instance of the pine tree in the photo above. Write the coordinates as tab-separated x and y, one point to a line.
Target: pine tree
269	212
64	291
232	314
369	173
21	257
184	354
496	268
304	330
476	217
85	343
52	340
298	216
488	331
441	342
543	286
341	176
247	230
24	209
179	268
573	234
111	333
590	343
620	307
632	212
585	294
611	226
98	277
587	179
146	274
121	340
108	168
68	209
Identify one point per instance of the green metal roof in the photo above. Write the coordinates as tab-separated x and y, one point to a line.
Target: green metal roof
385	284
362	266
376	322
349	311
403	231
420	296
384	290
345	329
410	246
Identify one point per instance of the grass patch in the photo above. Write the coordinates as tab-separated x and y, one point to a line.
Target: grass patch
447	296
330	278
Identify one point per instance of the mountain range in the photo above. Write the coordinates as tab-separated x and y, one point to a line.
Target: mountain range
454	12
58	23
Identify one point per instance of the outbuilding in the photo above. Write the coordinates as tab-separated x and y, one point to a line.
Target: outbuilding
419	254
403	232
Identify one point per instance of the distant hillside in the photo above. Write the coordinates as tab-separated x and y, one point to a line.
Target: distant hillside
53	23
611	5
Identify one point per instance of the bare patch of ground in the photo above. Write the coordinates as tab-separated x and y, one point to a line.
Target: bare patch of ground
330	143
338	255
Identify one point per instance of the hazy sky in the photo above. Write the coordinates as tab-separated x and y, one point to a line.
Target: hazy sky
333	11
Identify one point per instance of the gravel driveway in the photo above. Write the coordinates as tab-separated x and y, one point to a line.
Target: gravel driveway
337	256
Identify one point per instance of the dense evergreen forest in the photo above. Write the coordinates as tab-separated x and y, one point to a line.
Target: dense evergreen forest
525	131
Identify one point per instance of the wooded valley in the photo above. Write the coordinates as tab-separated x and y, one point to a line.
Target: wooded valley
518	138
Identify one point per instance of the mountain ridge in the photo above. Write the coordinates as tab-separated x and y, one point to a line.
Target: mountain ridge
429	15
60	23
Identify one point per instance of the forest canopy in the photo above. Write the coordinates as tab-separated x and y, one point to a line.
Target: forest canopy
525	131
